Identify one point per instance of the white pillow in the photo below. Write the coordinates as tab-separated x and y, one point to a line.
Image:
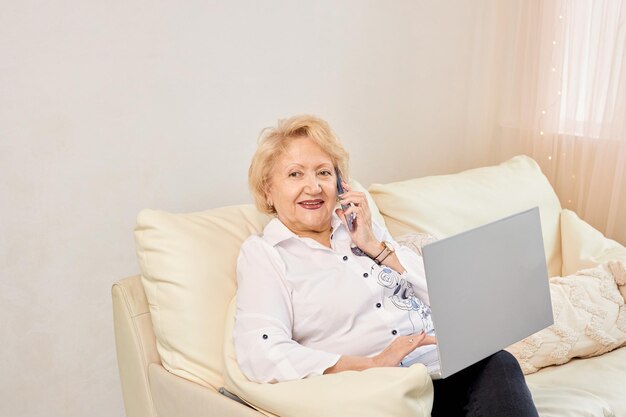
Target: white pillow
389	392
445	205
187	265
585	247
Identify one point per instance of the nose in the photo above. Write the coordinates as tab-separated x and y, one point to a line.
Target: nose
313	185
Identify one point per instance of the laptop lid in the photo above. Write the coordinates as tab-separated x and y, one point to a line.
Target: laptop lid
488	289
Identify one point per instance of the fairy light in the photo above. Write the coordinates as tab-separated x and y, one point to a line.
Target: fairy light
544	111
548	121
546	118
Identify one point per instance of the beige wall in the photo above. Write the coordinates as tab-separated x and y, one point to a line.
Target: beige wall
108	107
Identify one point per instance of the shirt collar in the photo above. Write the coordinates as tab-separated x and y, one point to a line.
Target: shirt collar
276	232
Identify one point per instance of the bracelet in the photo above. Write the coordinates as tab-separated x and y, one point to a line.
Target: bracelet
379	253
387	250
381	261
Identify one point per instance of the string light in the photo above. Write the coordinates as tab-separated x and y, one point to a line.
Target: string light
552	101
544	122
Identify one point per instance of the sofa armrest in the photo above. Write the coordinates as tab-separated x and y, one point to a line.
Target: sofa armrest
176	396
149	390
135	344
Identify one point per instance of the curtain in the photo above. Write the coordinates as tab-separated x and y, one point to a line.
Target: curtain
563	102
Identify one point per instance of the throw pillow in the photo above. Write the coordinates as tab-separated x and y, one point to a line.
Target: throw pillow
589	319
415	241
187	266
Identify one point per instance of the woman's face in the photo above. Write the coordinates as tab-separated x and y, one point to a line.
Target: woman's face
303	188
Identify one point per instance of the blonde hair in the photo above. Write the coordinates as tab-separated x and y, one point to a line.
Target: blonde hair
273	143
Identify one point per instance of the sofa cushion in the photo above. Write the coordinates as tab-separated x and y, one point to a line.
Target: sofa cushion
601	378
585	247
187	264
560	401
444	205
386	391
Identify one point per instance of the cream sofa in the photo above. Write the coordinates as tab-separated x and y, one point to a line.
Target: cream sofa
172	323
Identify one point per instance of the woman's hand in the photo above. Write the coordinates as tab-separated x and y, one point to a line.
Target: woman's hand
362	235
400	347
391	356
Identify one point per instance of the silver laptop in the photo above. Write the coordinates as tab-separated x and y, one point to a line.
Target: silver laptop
488	289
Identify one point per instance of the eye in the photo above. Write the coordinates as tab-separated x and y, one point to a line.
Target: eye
325	173
295	174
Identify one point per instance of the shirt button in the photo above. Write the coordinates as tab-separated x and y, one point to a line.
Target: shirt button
345	258
265	336
394	332
379	305
365	275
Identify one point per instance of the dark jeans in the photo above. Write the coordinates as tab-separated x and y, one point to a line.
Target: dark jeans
493	387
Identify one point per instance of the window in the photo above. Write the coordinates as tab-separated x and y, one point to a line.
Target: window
593	37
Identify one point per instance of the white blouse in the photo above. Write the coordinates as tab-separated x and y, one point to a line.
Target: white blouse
300	305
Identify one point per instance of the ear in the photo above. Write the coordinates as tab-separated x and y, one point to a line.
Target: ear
268	195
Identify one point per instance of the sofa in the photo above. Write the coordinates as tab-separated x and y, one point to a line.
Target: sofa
173	322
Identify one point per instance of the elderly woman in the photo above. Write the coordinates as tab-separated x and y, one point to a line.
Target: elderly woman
326	290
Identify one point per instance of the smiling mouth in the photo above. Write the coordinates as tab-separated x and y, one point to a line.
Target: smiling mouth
311	204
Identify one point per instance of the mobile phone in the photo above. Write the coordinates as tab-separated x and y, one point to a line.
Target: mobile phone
344	207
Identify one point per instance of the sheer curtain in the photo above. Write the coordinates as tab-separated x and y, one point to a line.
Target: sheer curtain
563	102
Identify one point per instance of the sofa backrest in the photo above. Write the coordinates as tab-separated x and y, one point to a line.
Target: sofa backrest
188	260
445	205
